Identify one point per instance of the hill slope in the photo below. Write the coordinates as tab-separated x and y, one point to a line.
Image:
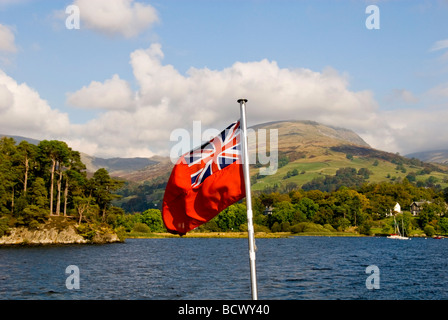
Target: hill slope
300	139
296	140
309	150
306	150
124	168
436	156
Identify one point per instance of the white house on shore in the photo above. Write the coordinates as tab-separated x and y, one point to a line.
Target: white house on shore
397	209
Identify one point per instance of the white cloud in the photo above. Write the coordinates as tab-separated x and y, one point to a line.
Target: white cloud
24	112
418	130
422	127
113	94
439	45
123	17
274	93
6	98
7	39
139	123
167	100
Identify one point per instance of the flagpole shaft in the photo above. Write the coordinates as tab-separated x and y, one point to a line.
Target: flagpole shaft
250	226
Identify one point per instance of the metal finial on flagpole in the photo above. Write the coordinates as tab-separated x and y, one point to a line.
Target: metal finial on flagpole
250	226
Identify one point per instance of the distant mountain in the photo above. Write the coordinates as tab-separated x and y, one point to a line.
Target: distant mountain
139	170
305	147
19	139
299	139
116	166
311	130
126	168
309	150
310	156
436	156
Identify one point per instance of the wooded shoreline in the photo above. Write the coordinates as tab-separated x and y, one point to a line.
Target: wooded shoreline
260	235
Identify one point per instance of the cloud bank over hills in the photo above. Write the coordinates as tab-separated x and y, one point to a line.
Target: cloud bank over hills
134	117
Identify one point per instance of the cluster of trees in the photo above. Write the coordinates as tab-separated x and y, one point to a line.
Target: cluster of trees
361	207
314	210
147	221
139	197
49	179
347	177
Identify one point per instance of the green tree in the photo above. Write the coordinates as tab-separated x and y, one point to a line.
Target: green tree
62	158
74	177
350	204
308	207
84	206
429	230
34	215
103	186
429	213
7	175
443	224
25	157
153	219
48	153
365	173
283	212
38	193
232	217
342	224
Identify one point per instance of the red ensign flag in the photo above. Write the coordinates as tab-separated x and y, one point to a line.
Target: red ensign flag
204	182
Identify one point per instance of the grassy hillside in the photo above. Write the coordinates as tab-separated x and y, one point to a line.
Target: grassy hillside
306	150
310	168
312	150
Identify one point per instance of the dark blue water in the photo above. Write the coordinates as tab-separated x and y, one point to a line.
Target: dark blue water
200	269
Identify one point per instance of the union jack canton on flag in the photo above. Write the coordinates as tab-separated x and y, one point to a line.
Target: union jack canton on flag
215	155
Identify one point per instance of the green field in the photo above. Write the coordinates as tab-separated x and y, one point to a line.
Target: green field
321	166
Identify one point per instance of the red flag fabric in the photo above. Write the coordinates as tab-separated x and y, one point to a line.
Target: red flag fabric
204	182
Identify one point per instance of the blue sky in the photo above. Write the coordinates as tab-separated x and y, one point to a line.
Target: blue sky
118	86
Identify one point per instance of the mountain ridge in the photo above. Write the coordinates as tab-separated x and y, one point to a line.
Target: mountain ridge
134	168
304	141
310	155
436	156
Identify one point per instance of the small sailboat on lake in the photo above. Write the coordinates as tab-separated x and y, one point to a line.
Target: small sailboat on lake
397	234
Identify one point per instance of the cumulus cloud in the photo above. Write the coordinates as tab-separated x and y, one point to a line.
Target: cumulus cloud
113	94
122	17
416	130
24	112
7	39
167	100
275	93
140	122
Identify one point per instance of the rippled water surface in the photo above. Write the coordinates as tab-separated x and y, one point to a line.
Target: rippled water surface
186	268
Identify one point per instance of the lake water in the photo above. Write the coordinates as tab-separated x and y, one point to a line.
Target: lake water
298	268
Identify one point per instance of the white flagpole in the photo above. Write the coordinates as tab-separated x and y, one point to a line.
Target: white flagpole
250	226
